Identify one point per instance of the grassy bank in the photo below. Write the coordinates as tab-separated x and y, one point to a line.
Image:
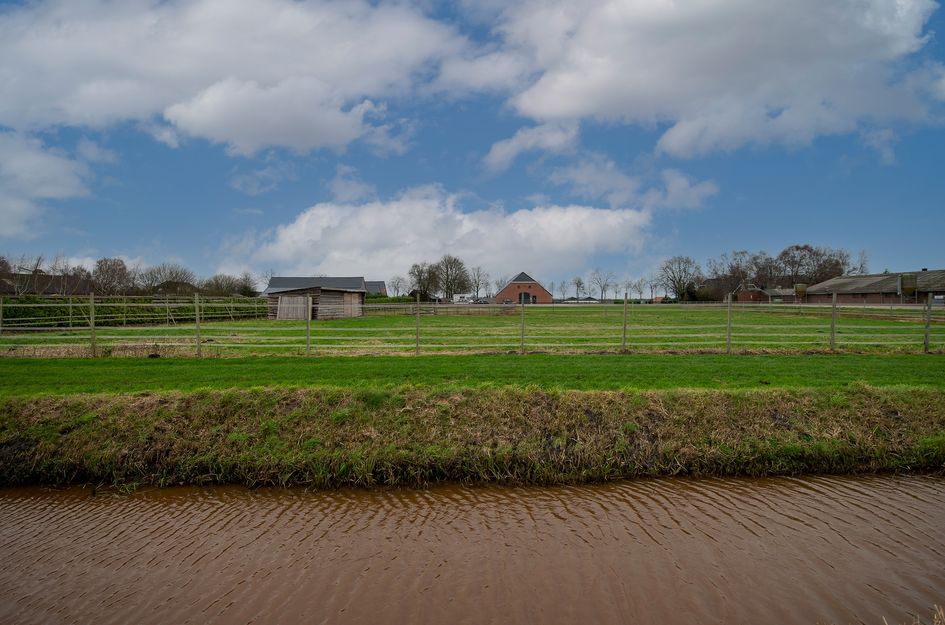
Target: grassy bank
328	437
28	377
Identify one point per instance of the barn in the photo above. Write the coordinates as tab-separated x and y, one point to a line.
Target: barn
332	298
880	288
523	289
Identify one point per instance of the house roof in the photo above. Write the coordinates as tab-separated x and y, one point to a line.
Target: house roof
375	286
778	292
281	284
523	277
927	281
42	283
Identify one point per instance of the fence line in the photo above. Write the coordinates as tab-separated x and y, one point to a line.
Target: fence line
195	326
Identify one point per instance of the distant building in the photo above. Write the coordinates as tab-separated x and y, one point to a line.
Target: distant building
332	298
880	288
42	283
523	289
776	295
375	287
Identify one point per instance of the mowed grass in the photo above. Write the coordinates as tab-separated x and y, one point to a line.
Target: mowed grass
35	377
486	329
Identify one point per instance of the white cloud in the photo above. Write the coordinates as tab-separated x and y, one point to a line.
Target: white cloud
346	186
91	152
596	177
245	73
882	141
266	178
722	74
547	137
380	237
30	172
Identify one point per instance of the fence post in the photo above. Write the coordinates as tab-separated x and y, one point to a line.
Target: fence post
522	343
124	310
623	340
92	323
728	327
308	326
417	315
197	320
833	322
1	314
928	324
70	311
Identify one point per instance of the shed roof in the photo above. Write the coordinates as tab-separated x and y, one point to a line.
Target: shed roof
375	286
280	284
933	280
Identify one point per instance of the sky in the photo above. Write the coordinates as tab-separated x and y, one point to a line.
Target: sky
552	137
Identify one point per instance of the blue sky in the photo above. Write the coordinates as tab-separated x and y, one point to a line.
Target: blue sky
548	137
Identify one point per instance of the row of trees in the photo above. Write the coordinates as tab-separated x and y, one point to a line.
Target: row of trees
683	278
112	276
447	277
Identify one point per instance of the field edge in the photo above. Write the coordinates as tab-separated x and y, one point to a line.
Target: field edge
327	438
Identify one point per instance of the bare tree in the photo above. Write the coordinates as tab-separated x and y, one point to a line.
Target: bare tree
602	281
500	283
397	284
425	278
28	275
479	279
861	267
152	277
578	283
729	271
637	286
221	284
679	276
111	276
454	277
551	289
5	266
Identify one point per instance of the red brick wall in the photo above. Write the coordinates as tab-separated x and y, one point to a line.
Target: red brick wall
513	290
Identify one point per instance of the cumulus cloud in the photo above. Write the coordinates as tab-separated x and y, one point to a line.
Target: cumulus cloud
30	172
720	74
547	137
346	186
596	177
379	237
245	73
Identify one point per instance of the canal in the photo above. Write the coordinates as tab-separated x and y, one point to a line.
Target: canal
780	550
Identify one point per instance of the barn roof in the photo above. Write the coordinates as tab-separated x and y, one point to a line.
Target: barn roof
523	277
933	280
281	284
375	287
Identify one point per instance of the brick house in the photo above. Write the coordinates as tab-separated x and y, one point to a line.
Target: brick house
523	289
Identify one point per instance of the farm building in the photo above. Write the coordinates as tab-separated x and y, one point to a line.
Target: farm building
776	295
880	288
375	287
332	298
42	283
523	289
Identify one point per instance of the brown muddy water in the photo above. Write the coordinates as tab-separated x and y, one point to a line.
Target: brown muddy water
810	550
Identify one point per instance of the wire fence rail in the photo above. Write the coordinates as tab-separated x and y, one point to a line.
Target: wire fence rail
197	326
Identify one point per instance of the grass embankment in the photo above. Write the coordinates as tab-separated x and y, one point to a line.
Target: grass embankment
539	419
326	437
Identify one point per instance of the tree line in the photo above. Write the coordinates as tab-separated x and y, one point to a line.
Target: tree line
113	276
683	278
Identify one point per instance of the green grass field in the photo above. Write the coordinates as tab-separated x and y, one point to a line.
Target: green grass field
33	377
562	329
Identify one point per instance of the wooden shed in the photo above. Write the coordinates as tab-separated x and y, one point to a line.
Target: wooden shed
332	298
